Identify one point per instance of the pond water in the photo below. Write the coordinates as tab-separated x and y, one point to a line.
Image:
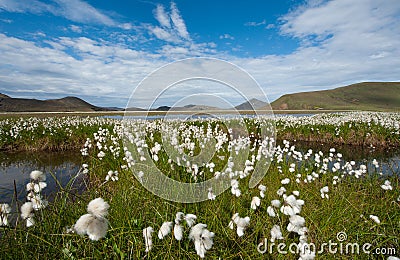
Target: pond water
16	167
199	115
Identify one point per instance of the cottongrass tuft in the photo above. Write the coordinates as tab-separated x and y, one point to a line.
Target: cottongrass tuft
38	176
178	230
387	185
27	213
147	238
255	202
202	238
190	219
375	218
276	233
98	208
165	229
241	224
94	224
5	209
95	228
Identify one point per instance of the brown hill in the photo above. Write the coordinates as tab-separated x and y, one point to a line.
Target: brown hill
67	104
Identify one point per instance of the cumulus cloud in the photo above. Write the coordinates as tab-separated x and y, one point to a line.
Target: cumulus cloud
341	42
72	66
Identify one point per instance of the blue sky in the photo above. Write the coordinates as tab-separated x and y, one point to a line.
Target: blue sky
101	50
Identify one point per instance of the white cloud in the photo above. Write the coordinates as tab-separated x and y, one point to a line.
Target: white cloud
173	33
178	22
96	69
75	28
22	6
73	10
226	36
79	11
162	16
255	24
342	42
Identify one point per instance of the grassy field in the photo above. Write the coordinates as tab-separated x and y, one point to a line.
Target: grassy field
311	197
372	96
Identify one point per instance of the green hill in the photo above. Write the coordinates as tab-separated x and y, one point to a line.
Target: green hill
381	96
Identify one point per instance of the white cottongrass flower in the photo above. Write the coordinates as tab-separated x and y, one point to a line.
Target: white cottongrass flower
190	219
38	176
101	154
165	229
285	181
375	218
235	188
5	210
140	176
271	211
27	213
94	224
281	191
262	189
387	185
296	223
36	187
147	238
241	223
276	203
178	230
324	191
255	202
276	233
292	205
98	208
234	219
112	175
37	201
202	238
210	194
393	258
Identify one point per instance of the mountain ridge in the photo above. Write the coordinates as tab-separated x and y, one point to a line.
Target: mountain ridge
379	96
66	104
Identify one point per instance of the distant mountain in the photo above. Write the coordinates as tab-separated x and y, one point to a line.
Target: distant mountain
360	96
184	108
67	104
252	104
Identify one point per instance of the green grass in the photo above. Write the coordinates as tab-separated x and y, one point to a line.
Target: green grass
372	96
133	208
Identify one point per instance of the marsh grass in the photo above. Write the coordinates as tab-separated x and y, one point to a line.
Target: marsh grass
133	208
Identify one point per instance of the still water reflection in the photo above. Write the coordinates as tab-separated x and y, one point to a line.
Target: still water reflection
17	167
